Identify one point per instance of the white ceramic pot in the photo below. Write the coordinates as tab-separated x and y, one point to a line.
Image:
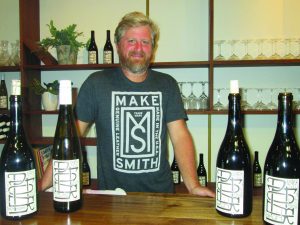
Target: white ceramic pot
49	101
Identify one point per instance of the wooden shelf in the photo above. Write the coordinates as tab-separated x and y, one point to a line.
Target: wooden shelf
257	63
9	68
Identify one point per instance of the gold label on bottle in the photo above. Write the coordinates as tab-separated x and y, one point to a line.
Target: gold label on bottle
230	191
66	180
92	57
281	200
86	178
107	57
20	193
202	180
3	102
176	177
257	180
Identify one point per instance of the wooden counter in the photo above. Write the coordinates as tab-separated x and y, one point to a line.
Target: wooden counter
139	209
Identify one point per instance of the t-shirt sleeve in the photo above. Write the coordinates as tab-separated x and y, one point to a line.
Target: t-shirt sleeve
85	106
175	109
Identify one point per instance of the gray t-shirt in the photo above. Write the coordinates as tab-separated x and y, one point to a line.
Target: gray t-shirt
131	121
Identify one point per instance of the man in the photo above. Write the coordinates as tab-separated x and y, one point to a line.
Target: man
134	109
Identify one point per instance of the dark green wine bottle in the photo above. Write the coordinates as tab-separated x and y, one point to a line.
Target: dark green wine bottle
18	178
234	169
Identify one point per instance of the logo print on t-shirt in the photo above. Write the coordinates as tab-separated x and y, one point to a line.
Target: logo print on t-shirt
137	119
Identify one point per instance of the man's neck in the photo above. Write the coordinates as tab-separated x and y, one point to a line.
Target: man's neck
135	77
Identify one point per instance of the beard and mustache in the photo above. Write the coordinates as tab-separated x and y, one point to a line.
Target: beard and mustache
135	65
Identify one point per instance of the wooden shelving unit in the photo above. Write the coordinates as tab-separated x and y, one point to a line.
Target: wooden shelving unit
31	68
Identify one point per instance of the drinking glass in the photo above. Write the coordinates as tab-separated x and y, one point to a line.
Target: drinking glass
15	53
271	105
192	98
4	55
298	42
244	102
183	97
259	105
219	44
233	55
288	52
203	98
274	43
260	43
297	102
218	105
247	56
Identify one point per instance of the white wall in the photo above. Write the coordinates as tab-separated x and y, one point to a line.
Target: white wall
184	37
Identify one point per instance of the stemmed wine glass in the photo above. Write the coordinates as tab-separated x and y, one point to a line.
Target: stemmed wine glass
203	98
218	105
260	43
288	43
274	42
244	102
183	97
259	105
192	98
247	56
271	105
220	56
233	55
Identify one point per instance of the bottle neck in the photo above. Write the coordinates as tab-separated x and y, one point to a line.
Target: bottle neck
108	35
201	159
256	156
234	111
284	121
92	35
16	114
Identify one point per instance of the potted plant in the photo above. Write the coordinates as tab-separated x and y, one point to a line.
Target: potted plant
65	41
49	93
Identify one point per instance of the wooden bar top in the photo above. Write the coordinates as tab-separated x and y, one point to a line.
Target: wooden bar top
139	209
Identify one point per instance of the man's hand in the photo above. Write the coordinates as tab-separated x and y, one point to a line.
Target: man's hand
203	191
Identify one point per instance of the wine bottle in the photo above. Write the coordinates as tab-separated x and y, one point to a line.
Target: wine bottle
4	126
92	50
108	51
175	172
201	171
257	176
18	178
3	94
233	173
67	156
86	172
282	170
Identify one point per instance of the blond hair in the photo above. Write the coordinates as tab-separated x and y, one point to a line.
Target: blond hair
136	19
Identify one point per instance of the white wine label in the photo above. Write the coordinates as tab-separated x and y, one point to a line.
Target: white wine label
20	193
281	201
202	180
66	180
92	57
257	180
230	191
176	177
3	102
107	57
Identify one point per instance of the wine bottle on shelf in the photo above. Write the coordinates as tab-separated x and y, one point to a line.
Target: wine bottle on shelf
3	94
108	51
257	176
92	50
86	171
201	171
4	126
282	170
233	173
67	156
175	172
18	177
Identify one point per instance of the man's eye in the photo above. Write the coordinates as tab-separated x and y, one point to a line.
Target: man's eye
145	42
131	41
